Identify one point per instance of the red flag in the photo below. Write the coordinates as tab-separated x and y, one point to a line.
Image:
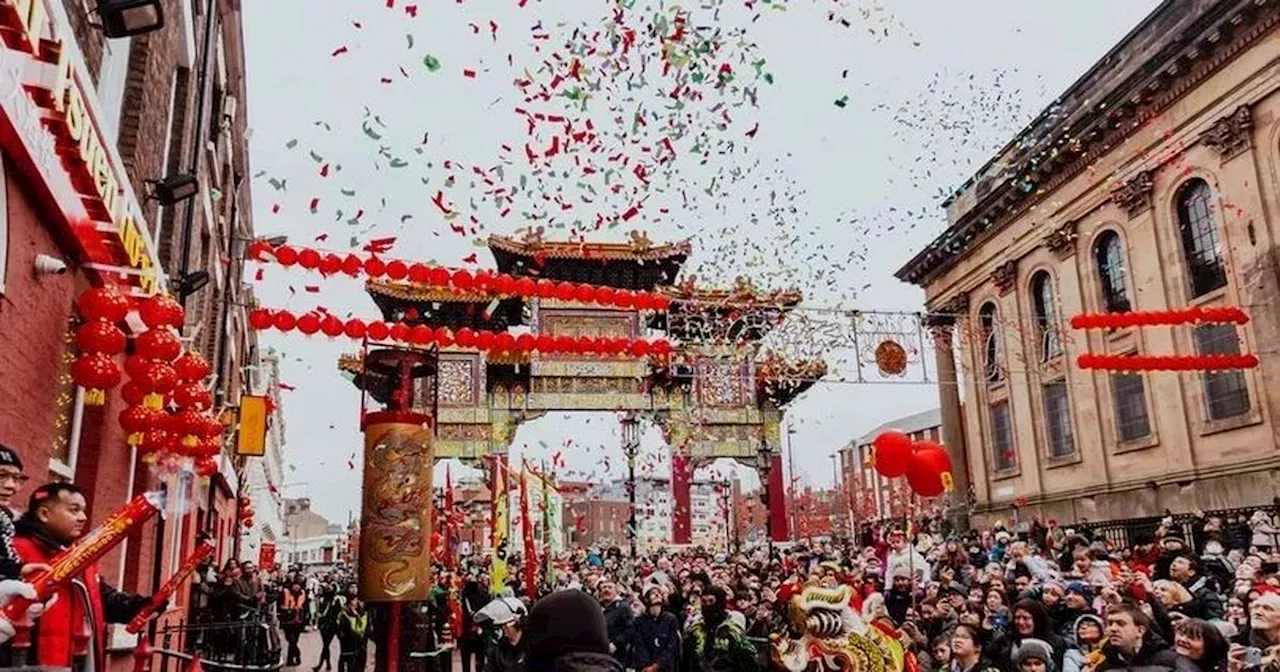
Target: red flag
530	551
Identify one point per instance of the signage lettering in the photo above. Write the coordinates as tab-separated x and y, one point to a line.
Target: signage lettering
86	142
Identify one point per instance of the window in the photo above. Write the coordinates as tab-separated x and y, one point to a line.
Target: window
1225	392
1003	455
1057	419
990	343
1200	238
111	83
1110	258
1046	316
1129	395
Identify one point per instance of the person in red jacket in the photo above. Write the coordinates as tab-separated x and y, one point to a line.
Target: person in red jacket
72	631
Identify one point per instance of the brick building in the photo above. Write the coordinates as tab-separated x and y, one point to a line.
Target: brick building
66	230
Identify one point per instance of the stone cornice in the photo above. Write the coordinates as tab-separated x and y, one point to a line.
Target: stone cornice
1062	240
1231	134
1065	146
1134	195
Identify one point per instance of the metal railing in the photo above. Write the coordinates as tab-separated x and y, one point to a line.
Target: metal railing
1127	532
249	644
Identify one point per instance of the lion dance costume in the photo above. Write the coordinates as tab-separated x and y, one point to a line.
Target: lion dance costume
834	637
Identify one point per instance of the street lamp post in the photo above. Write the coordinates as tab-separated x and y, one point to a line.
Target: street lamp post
631	446
764	467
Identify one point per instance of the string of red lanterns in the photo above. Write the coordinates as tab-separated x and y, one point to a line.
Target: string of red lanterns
1160	318
459	279
319	321
99	339
1166	362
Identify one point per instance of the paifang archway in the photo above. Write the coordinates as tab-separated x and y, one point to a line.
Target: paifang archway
720	394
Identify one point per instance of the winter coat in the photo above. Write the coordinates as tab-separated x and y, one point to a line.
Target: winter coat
503	656
617	618
1206	601
76	623
584	661
10	563
1264	531
1154	656
1078	657
655	640
354	631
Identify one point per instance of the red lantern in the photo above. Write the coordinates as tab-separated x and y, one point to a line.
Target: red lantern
137	419
100	336
285	321
354	328
103	303
589	344
96	371
161	310
504	342
444	337
397	270
661	302
308	258
286	256
378	331
352	265
331	264
483	281
485	339
158	377
419	274
544	343
206	467
504	284
261	318
548	289
929	472
133	392
661	347
188	425
159	343
892	453
525	342
566	344
421	335
465	337
331	326
154	440
211	427
625	298
604	296
399	332
584	293
309	323
640	348
191	366
525	287
462	279
192	395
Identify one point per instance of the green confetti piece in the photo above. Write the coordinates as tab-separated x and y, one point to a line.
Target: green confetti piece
277	184
368	130
843	101
432	63
291	144
409	38
348	192
316	157
398	162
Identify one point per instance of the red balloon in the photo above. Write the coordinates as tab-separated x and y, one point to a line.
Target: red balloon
100	336
96	371
892	453
308	258
161	310
485	339
191	366
261	318
929	471
465	337
139	418
504	284
158	377
354	328
309	324
192	395
285	321
286	256
103	303
332	326
374	267
378	331
462	279
159	343
419	273
331	264
421	335
397	270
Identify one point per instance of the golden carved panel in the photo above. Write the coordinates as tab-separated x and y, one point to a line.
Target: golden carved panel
597	368
588	401
587	323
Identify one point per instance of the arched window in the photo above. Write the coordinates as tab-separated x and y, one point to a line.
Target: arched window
990	343
1046	315
1109	254
1200	242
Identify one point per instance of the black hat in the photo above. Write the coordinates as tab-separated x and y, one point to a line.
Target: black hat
9	457
564	622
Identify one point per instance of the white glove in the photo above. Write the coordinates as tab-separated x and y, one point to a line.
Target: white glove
9	590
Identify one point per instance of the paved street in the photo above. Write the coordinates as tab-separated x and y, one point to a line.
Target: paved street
310	645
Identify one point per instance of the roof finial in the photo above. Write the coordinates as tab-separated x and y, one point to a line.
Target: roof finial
640	242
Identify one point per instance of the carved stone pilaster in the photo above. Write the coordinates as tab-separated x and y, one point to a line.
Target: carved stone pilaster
1135	195
1005	276
945	315
1062	240
1231	134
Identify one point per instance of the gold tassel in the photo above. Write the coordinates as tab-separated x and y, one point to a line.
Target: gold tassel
95	397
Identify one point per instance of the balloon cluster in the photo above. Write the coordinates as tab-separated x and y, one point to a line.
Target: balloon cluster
925	463
459	279
99	339
170	410
466	337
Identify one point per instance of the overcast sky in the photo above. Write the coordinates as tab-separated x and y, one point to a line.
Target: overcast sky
864	129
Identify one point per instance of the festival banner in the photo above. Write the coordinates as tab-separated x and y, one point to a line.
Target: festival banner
549	579
500	502
395	519
530	559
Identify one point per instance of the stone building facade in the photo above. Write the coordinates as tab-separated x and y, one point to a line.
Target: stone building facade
1152	183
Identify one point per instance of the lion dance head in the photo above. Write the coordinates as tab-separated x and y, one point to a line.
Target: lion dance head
833	636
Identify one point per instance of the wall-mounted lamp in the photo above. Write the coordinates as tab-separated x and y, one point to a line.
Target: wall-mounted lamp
191	283
174	188
126	18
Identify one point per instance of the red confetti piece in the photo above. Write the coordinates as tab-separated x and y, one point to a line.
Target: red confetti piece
258	276
470	258
315	204
275	208
411	10
324	170
312	289
339	51
322	237
471	74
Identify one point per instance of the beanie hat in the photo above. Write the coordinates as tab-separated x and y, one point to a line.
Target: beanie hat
9	457
1032	648
564	622
1082	589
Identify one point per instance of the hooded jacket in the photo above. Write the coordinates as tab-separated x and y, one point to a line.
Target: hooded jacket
1000	650
1077	657
75	624
1155	655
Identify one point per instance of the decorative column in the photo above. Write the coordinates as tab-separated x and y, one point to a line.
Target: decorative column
942	326
779	524
681	500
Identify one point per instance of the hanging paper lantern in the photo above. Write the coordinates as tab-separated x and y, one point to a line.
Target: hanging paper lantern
438	276
604	296
309	323
399	332
285	321
354	328
525	342
504	284
625	298
103	303
378	331
462	279
929	472
96	372
444	337
584	293
188	425
397	270
261	318
566	344
133	392
642	301
640	348
158	377
137	420
525	287
100	336
154	440
485	340
332	326
483	281
331	264
209	447
465	337
211	428
191	366
661	302
504	342
309	258
544	343
352	265
192	395
421	335
286	256
892	453
159	343
548	289
661	347
419	274
206	467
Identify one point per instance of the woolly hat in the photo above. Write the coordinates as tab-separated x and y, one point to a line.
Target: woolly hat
1082	588
564	622
1032	648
